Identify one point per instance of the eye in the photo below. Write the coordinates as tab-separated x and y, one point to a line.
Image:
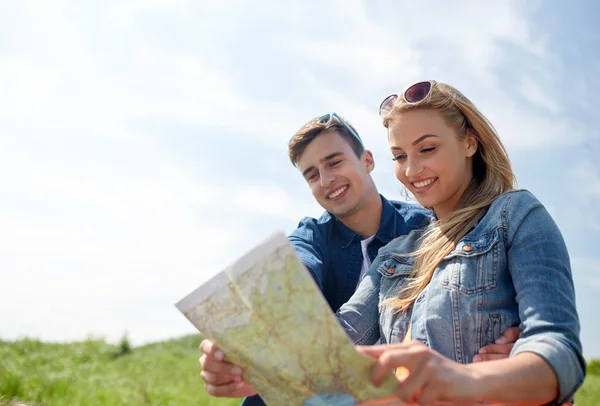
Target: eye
427	150
399	157
336	163
312	177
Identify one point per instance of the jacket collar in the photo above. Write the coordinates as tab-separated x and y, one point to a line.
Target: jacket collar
385	233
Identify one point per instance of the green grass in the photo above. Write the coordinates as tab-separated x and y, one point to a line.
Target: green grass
589	393
91	373
95	373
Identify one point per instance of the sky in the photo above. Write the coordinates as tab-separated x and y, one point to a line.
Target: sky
143	143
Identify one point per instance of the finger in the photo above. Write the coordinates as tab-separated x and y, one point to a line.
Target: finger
375	351
411	387
210	364
209	348
488	357
387	401
410	357
496	349
228	390
510	335
233	390
385	364
370	351
428	395
219	379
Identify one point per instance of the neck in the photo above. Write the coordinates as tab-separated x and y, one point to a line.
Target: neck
366	220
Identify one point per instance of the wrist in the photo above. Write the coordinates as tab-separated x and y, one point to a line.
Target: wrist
480	382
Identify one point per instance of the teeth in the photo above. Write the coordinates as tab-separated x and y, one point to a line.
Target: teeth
424	183
338	192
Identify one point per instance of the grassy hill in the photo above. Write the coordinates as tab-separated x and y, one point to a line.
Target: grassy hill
95	373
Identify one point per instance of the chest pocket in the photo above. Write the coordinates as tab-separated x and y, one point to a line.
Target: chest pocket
394	271
473	265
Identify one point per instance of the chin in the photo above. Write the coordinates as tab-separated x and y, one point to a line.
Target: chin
427	203
342	212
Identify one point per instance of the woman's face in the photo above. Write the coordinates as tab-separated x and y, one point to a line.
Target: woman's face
430	159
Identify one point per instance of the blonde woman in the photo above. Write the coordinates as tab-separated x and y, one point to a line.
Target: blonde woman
492	258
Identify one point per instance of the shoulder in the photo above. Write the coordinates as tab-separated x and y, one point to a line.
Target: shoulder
513	204
403	244
510	209
410	212
310	228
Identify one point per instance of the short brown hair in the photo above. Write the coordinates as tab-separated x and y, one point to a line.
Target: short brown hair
313	129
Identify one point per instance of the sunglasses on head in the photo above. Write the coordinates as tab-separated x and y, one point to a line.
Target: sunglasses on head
329	117
414	94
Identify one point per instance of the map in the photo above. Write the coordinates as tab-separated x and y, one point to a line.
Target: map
268	316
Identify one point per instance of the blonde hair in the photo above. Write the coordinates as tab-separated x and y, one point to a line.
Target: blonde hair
492	176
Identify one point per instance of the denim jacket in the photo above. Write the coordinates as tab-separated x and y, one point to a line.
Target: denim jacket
511	269
332	252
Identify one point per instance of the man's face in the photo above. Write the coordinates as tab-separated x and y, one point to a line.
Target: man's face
338	179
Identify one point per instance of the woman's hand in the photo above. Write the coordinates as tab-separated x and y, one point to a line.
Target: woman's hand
430	376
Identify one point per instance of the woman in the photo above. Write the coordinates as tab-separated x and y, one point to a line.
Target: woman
492	258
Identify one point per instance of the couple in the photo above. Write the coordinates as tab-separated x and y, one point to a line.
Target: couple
443	282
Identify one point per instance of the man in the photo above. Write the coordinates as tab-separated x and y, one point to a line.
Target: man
337	248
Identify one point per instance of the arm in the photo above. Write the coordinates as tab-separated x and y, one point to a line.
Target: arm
359	316
308	245
525	378
433	377
539	264
546	363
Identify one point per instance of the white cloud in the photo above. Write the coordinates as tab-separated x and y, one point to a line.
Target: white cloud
588	174
586	272
587	286
124	231
386	52
533	92
585	191
104	226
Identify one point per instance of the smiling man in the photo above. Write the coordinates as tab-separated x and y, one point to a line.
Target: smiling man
337	248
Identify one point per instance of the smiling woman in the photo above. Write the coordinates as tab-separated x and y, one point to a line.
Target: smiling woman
488	261
420	163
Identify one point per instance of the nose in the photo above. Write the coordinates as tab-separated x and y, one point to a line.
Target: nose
326	178
413	167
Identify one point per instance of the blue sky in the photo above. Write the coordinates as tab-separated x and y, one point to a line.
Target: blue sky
143	143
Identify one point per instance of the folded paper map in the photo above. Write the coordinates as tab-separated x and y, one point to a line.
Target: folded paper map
269	317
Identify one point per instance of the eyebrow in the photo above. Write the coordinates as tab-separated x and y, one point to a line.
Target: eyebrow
324	159
421	138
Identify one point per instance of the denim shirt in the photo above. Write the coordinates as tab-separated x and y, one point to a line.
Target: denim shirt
333	255
332	252
511	269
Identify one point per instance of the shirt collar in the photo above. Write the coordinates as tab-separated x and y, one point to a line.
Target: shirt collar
387	226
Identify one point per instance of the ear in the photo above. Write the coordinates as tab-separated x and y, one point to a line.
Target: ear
472	144
367	158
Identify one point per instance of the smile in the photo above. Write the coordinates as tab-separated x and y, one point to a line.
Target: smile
337	192
424	183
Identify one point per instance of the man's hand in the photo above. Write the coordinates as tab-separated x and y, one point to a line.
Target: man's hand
221	378
501	349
